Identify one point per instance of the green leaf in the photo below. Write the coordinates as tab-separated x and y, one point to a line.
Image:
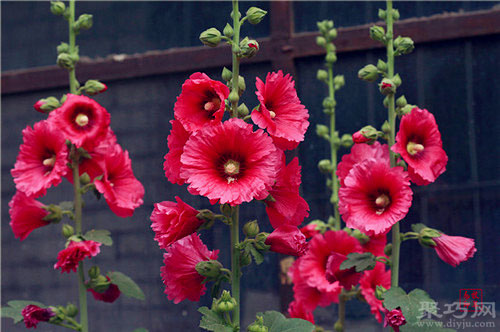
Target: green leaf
15	307
257	256
126	285
362	262
141	329
99	235
276	322
417	227
211	321
23	303
411	304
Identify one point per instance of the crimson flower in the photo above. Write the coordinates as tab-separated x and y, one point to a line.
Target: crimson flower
81	120
394	319
173	221
368	283
42	160
26	215
419	143
308	297
201	102
110	295
122	191
176	141
297	310
68	259
359	153
287	240
179	274
33	314
374	197
229	162
376	244
309	230
359	138
280	111
454	249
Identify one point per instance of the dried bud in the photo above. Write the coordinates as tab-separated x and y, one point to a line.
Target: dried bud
57	7
322	131
210	37
377	33
228	31
67	230
94	272
387	87
346	140
368	73
321	41
84	22
251	228
93	87
63	48
338	81
249	47
226	210
325	166
245	259
401	101
255	15
403	45
209	269
47	105
322	75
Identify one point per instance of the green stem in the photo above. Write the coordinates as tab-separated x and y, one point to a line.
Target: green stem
235	264
72	38
236	60
340	325
396	235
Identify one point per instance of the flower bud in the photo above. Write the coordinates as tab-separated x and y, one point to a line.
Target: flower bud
321	41
403	45
338	326
322	131
331	58
368	73
332	34
382	66
71	310
322	27
227	75
251	228
255	15
241	84
395	14
233	97
365	134
93	87
325	166
258	325
243	110
228	31
205	215
379	292
346	140
94	272
387	87
210	37
322	75
388	250
328	103
55	213
260	241
330	48
382	14
84	22
67	230
377	33
57	7
225	303
339	81
397	80
249	47
226	210
209	269
386	127
84	178
407	109
63	48
99	284
47	105
329	24
64	60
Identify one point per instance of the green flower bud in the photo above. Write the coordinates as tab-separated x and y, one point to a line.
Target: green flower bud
386	127
233	97
84	22
407	109
397	80
382	14
258	325
243	110
403	45
227	75
260	241
377	33
382	66
387	87
386	102
322	75
209	269
57	7
338	327
228	31
63	48
205	215
225	302
255	15
321	26
328	103
249	47
64	60
47	105
368	73
210	37
241	84
331	58
325	166
329	24
321	41
388	250
67	230
395	14
226	210
338	81
346	140
332	34
93	87
239	15
251	228
71	310
99	284
379	292
245	259
330	48
94	272
401	101
322	131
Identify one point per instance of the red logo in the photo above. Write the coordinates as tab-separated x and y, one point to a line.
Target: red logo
471	299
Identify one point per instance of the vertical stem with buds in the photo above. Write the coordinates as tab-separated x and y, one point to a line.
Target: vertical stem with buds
72	38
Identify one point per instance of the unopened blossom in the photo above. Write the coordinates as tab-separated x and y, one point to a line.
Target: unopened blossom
26	215
68	259
33	314
454	249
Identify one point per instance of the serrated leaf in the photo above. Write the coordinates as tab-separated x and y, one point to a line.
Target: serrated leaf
361	262
418	227
126	285
23	303
99	235
211	321
257	256
141	329
410	304
276	322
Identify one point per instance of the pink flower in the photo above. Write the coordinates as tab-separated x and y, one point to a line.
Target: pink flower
368	283
38	106
173	221
376	244
359	138
201	102
176	141
308	297
394	319
68	259
358	154
280	111
296	310
33	315
287	240
110	295
230	163
374	197
81	120
42	159
26	215
419	144
288	207
179	272
122	191
309	230
454	249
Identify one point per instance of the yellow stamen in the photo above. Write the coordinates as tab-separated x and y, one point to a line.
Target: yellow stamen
231	167
414	148
49	161
272	114
82	120
212	105
382	202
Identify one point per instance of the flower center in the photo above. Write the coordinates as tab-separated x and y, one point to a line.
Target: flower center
49	162
82	120
231	167
272	114
212	105
382	202
414	148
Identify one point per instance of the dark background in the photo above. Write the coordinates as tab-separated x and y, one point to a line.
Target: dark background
457	80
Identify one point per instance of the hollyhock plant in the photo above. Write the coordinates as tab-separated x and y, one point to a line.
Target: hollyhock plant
375	244
42	159
419	143
82	120
287	240
173	221
368	283
394	319
33	314
179	274
280	112
374	197
110	295
201	102
310	230
454	249
230	163
176	141
26	215
68	259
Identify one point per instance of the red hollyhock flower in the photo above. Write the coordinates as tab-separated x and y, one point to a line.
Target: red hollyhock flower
296	310
110	295
374	196
376	244
201	102
454	249
419	143
32	315
359	138
368	283
173	221
26	215
122	191
179	272
288	207
309	230
287	240
81	120
358	154
176	141
280	111
230	163
42	159
309	297
68	259
394	319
